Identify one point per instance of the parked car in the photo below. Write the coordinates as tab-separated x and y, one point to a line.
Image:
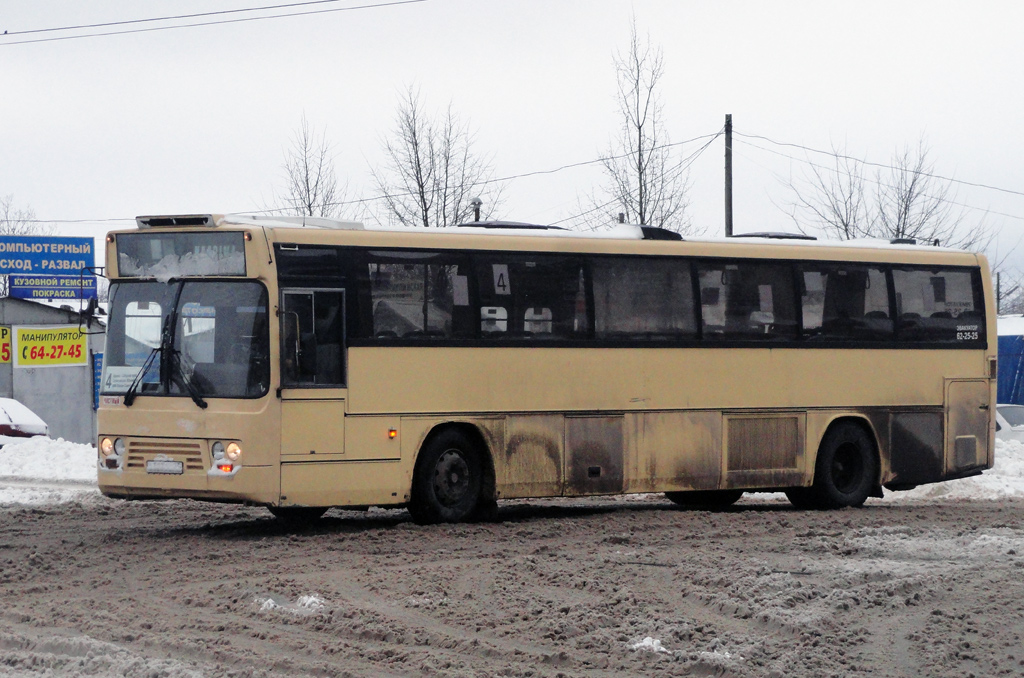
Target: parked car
1010	422
17	422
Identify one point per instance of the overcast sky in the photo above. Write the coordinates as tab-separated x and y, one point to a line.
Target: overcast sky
198	119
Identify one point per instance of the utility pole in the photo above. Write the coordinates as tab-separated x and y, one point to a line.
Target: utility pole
728	175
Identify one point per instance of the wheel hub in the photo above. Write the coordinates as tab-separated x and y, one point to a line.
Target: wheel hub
451	477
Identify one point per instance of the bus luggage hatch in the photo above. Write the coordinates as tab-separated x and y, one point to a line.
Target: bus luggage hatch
968	416
593	455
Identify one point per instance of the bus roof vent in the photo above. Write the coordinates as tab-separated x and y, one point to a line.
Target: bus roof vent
903	241
515	225
176	220
658	233
775	235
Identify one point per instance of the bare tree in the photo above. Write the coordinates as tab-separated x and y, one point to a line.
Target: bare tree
832	199
909	201
431	172
312	186
15	221
645	182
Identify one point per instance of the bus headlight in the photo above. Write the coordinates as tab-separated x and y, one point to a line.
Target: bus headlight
119	447
218	451
109	446
233	451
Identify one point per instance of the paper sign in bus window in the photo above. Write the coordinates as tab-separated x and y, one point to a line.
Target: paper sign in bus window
501	282
460	290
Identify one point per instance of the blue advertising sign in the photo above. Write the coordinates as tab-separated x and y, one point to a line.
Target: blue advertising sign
52	286
46	254
97	374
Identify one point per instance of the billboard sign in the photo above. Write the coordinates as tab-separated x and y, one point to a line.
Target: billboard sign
50	346
5	344
45	254
52	286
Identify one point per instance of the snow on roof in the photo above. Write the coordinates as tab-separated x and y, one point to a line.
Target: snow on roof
1010	325
613	232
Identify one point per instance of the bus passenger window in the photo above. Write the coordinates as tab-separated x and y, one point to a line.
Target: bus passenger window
418	295
646	299
531	296
938	305
312	325
847	302
747	300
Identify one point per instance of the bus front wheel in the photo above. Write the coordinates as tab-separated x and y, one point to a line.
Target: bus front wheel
845	472
447	481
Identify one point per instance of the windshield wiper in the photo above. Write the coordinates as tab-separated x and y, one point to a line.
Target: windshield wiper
186	380
129	395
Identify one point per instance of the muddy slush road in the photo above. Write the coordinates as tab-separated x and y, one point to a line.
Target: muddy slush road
597	587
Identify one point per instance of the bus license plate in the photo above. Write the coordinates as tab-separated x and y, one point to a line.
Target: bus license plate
162	466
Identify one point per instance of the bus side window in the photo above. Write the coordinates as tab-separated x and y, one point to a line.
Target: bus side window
939	305
530	296
846	302
312	325
643	299
747	300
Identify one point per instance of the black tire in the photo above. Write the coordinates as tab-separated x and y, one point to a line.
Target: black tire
801	498
297	516
846	469
447	481
709	499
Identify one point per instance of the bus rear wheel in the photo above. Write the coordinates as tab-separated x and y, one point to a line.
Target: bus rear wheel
845	472
712	499
447	481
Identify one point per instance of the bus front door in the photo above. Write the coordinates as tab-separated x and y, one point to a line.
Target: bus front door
313	393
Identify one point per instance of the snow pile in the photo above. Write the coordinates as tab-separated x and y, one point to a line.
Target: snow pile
648	644
1004	480
303	606
47	459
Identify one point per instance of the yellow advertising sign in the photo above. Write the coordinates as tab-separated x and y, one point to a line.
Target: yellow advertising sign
5	344
52	346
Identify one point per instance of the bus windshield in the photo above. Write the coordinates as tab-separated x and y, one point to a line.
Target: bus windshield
194	338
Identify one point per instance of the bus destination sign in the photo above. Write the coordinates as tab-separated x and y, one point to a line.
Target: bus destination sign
44	254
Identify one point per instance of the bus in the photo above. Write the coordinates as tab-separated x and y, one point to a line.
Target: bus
302	364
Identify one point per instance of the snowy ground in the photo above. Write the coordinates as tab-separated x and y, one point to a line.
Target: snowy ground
44	471
922	584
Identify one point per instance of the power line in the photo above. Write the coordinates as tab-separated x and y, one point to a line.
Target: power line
129	22
869	179
877	164
202	23
512	177
688	162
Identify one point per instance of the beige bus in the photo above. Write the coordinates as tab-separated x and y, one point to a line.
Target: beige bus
307	364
